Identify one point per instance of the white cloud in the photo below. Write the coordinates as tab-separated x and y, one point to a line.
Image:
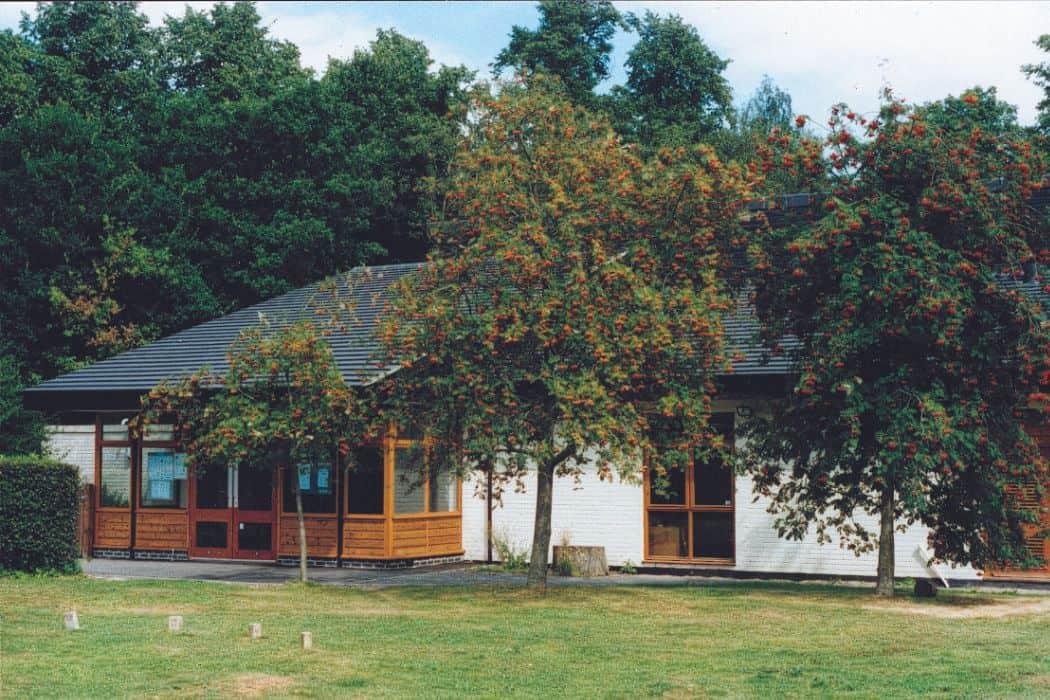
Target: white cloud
824	53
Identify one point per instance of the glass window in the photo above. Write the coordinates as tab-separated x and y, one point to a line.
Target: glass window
712	482
364	494
318	485
159	433
409	477
113	429
713	535
115	484
667	488
668	535
163	478
213	487
444	491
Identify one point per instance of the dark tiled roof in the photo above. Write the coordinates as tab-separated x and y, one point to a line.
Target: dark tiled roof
353	340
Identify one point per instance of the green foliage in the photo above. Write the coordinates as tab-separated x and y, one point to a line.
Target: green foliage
675	91
628	568
511	557
564	567
573	295
1040	74
915	346
572	42
22	432
152	178
39	507
281	402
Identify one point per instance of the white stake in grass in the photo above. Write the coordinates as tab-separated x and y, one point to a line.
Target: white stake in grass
307	640
175	623
255	630
71	620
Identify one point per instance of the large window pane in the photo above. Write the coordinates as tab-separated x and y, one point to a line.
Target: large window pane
712	483
213	488
365	483
668	535
713	535
409	480
254	489
317	482
163	478
444	491
667	489
115	486
113	429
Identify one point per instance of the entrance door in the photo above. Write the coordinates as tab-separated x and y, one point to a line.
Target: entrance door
254	517
211	514
233	515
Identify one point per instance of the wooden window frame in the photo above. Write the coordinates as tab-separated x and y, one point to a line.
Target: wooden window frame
689	507
132	468
336	468
138	453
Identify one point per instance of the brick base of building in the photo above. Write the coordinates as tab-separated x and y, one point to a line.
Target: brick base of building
324	562
163	555
99	553
400	563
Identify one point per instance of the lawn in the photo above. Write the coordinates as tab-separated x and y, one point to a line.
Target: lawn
717	640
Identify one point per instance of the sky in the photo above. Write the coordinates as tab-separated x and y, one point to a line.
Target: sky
822	53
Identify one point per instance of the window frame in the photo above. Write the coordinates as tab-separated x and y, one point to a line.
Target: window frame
133	486
140	451
689	507
393	444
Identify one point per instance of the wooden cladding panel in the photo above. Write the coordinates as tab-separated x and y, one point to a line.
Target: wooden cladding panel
364	538
322	536
436	535
162	530
112	529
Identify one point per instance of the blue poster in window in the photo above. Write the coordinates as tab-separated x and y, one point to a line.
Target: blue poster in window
178	470
161	490
322	481
159	466
304	478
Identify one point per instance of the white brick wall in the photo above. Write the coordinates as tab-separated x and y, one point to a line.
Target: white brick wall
610	514
73	444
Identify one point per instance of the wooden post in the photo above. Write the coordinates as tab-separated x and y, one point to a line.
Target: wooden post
71	620
175	623
307	641
255	630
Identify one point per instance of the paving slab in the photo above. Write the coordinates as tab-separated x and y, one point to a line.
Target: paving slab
461	574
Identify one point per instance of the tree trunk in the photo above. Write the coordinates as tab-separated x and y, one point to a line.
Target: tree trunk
302	524
541	531
884	587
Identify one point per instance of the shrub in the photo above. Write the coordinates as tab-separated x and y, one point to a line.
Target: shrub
512	557
39	504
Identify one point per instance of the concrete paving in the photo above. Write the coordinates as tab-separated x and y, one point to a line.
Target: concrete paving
464	574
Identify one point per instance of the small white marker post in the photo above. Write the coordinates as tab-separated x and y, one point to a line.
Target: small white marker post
175	623
71	620
307	640
255	630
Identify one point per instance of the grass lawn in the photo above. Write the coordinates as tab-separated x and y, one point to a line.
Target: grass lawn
718	640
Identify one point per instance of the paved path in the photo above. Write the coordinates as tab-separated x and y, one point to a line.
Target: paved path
448	575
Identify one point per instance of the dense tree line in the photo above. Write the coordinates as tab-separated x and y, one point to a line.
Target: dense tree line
155	177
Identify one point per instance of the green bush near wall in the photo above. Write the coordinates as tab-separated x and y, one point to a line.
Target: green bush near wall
39	504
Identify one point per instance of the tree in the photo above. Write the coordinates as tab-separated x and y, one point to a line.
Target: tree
572	42
1040	74
281	403
675	91
572	310
914	345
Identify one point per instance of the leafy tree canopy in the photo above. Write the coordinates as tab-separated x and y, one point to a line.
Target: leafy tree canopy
572	42
675	90
573	302
915	346
282	402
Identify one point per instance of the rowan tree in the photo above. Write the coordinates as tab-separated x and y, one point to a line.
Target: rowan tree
916	347
281	403
573	302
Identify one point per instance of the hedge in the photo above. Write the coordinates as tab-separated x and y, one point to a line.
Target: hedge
39	506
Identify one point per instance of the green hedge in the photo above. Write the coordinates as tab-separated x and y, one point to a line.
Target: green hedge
39	506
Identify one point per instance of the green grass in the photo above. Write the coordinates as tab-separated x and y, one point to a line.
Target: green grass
718	640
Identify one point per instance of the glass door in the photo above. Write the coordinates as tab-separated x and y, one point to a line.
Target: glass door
254	515
211	514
